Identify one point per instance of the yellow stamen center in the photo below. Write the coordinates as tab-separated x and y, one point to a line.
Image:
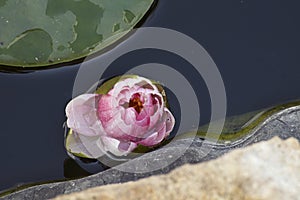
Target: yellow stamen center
136	103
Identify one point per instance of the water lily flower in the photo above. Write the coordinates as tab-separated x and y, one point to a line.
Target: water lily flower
132	113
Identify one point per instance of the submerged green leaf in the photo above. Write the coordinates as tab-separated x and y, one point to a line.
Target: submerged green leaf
45	32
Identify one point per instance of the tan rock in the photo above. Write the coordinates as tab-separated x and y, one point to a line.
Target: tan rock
267	170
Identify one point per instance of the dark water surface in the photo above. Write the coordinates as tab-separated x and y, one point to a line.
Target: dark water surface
255	45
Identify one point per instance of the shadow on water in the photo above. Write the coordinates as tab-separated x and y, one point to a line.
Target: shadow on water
28	95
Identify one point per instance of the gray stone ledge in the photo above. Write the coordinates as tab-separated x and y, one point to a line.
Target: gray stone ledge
284	124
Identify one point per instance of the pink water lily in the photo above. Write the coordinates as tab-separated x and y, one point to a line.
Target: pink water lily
132	113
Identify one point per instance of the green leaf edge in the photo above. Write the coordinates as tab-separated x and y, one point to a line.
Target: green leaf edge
110	41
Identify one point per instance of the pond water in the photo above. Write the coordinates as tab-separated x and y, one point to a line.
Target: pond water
255	45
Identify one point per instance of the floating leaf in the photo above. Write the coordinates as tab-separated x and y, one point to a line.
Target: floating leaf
44	32
77	145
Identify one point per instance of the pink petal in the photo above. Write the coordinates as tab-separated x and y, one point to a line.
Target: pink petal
161	131
170	120
117	128
113	146
154	119
107	102
142	115
130	116
162	134
139	132
106	115
107	109
82	115
149	141
143	119
131	82
155	137
124	96
127	146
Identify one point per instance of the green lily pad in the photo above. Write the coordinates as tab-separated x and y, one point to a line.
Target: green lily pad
77	144
38	33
